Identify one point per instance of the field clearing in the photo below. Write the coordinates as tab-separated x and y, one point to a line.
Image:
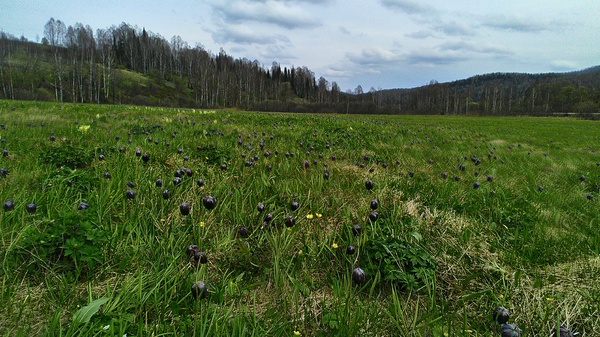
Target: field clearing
471	213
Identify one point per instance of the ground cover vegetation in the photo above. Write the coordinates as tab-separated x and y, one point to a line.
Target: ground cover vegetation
124	220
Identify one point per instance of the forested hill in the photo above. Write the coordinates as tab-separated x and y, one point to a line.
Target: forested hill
127	65
501	94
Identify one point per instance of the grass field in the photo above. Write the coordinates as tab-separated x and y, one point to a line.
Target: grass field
471	213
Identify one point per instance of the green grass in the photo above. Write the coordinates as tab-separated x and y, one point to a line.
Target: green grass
439	258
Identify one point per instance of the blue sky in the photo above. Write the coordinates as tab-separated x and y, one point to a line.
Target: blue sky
372	43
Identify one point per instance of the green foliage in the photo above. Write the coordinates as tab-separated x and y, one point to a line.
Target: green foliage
399	261
85	245
79	180
66	154
69	242
214	155
497	244
84	314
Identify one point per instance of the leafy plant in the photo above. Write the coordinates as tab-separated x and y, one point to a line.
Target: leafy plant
85	245
399	261
66	154
84	314
72	241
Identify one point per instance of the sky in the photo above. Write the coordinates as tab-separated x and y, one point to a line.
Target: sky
380	44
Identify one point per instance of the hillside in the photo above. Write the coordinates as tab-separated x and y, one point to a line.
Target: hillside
500	94
126	65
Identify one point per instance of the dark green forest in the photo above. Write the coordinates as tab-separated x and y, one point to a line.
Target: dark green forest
127	65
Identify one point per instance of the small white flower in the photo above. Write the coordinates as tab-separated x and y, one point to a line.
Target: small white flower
106	327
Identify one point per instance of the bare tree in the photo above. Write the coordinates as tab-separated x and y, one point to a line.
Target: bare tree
358	90
323	89
50	32
55	31
107	57
335	92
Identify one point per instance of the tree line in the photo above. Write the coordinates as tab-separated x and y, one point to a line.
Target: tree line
127	65
499	94
77	64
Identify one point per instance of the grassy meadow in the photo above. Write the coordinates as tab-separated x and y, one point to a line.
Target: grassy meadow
465	214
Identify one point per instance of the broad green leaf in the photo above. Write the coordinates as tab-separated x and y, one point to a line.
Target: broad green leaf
84	314
417	236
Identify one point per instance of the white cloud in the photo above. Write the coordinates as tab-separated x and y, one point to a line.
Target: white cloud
374	56
338	72
344	30
420	34
564	65
243	34
278	53
454	28
266	12
433	58
520	24
409	7
471	47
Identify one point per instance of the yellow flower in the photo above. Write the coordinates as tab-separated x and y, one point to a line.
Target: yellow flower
309	216
500	296
318	215
335	245
549	299
83	128
202	223
300	252
297	333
